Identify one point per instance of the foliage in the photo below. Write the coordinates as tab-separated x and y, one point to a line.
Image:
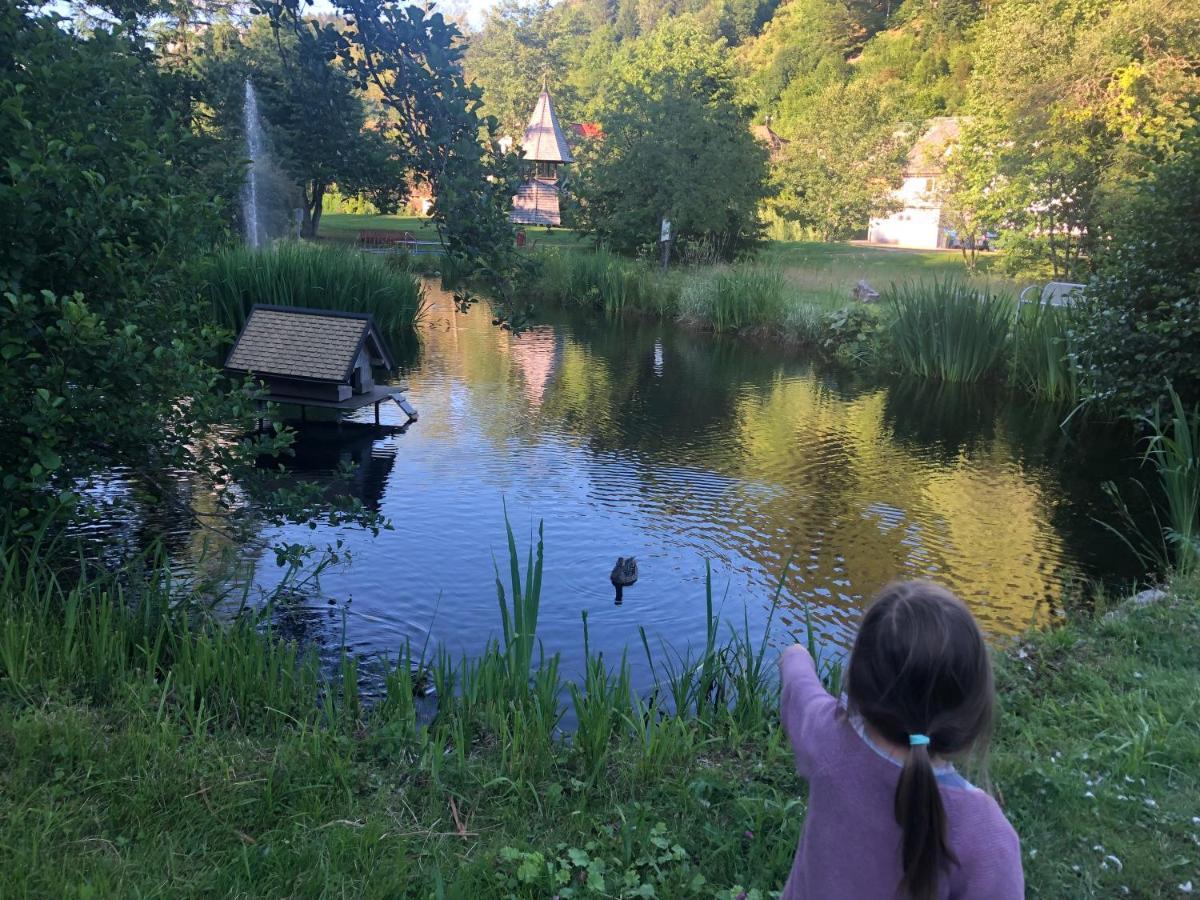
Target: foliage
1141	324
411	58
840	165
104	197
852	334
948	330
1092	95
311	109
294	274
676	145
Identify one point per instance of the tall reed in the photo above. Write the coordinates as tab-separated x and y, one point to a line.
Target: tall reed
1173	453
735	297
948	330
321	277
1041	353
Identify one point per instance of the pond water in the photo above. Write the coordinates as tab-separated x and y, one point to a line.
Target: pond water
680	448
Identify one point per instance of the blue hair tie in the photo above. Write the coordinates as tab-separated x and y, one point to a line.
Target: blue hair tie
918	740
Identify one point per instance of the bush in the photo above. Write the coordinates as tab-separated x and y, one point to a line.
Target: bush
104	196
852	334
1141	328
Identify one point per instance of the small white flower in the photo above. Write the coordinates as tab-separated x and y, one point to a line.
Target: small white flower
1196	820
1089	794
1151	802
1032	852
1074	868
1185	888
1116	862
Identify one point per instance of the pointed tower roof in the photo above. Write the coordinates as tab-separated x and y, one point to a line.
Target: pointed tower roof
544	139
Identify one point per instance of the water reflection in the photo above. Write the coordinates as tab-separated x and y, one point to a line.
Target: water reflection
679	448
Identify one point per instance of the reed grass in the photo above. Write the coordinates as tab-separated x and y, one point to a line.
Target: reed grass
1172	453
735	298
321	277
949	331
1041	362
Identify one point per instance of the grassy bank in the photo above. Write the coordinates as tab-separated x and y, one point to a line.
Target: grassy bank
947	327
150	749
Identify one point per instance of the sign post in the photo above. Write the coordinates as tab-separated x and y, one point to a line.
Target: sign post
664	238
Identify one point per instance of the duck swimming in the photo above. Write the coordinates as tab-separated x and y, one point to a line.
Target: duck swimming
624	573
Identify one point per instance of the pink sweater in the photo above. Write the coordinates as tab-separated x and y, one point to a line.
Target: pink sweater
851	842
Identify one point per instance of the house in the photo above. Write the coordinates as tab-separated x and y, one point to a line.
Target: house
919	221
315	358
544	148
769	138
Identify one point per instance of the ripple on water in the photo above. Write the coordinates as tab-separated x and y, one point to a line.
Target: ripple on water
685	451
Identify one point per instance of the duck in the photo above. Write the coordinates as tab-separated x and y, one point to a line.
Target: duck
624	573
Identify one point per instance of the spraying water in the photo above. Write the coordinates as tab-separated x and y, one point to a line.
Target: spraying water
251	211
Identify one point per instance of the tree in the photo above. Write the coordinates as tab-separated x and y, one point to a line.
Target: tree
676	145
104	199
841	165
1141	328
314	112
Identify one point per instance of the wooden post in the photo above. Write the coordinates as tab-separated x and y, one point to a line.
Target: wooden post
664	238
376	413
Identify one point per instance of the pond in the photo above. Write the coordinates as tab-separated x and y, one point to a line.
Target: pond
684	449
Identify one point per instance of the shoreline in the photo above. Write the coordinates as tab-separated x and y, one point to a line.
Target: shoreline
150	752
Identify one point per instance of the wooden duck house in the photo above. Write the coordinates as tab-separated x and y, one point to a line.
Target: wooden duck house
315	358
544	148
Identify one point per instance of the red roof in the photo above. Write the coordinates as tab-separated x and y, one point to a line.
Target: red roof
588	130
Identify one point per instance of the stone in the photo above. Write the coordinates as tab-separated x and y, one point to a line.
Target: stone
864	293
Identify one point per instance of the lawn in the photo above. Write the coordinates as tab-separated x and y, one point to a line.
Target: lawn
345	227
143	758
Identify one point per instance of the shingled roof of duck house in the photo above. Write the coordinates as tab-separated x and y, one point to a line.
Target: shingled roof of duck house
312	354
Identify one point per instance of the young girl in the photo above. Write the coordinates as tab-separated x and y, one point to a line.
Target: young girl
888	817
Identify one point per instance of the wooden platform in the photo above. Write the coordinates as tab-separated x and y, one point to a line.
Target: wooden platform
381	393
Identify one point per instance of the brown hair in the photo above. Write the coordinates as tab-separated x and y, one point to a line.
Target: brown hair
920	666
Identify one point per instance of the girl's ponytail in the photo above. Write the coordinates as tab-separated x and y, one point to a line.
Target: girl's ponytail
922	820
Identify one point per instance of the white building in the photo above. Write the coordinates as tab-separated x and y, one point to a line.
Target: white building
918	223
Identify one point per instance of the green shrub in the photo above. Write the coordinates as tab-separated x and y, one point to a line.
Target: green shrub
852	334
948	330
294	274
1141	329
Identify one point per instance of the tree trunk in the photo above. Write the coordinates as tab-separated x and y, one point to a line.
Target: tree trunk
314	197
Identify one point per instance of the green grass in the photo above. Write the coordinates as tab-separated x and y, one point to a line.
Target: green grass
152	749
344	227
1041	353
946	330
324	277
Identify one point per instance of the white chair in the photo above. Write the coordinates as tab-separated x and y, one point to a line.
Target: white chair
1055	293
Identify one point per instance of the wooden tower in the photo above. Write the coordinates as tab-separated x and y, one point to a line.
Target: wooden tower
544	148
